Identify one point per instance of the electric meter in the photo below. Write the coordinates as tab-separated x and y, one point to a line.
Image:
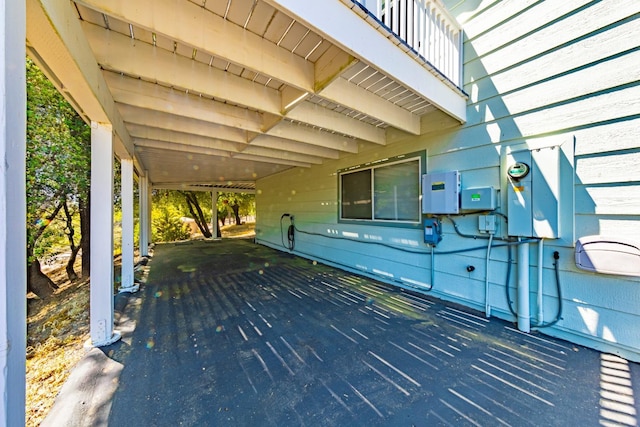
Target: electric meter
518	170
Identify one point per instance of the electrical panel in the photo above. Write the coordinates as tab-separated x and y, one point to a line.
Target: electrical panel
478	199
441	193
533	192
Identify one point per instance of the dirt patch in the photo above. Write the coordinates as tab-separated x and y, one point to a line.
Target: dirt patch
56	331
243	231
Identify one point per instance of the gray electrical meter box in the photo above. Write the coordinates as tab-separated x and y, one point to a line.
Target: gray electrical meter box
441	193
533	192
478	199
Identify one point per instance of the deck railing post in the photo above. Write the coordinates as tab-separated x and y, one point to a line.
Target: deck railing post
428	28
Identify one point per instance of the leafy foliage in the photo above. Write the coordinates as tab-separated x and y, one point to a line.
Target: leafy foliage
196	212
197	205
58	163
167	225
234	205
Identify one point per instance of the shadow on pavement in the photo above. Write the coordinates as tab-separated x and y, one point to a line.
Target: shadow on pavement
232	333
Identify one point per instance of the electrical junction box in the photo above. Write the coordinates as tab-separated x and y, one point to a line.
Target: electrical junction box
478	199
487	224
533	193
441	193
432	231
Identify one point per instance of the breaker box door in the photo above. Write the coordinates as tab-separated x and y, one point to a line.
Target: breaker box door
533	198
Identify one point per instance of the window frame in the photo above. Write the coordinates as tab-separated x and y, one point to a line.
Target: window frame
420	156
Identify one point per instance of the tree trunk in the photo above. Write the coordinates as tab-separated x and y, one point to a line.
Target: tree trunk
85	227
38	282
198	216
70	232
236	212
71	273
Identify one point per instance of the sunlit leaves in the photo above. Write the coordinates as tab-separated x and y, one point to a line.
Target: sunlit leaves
58	152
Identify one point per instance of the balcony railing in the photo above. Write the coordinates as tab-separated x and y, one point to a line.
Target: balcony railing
427	28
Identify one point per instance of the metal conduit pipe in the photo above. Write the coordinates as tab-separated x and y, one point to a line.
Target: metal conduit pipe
487	306
433	266
540	289
524	317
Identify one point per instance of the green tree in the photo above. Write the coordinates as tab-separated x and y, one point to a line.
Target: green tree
196	212
237	203
196	205
58	159
167	226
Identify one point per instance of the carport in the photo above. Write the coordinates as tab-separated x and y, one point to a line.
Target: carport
211	95
219	95
234	333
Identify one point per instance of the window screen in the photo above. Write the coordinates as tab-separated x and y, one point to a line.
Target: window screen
356	195
397	191
387	191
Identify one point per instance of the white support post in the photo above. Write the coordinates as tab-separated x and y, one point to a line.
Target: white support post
144	216
214	214
101	298
524	317
13	265
126	274
149	210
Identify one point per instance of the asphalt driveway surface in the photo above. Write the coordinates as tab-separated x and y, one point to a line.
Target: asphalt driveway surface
233	333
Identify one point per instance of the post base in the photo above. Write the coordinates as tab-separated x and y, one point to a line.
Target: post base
130	289
114	338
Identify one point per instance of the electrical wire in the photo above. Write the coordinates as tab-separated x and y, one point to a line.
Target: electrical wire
456	228
291	239
418	251
311	233
556	257
506	284
461	234
404	286
290	245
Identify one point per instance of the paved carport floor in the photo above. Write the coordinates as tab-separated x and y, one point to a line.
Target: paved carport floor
234	333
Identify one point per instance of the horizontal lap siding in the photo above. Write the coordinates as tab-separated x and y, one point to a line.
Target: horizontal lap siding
570	68
534	70
577	75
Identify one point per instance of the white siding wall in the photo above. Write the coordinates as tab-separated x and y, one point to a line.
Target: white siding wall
535	72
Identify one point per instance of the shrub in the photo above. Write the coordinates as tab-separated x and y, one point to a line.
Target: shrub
167	226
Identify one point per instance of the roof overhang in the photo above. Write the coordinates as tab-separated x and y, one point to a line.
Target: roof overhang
232	91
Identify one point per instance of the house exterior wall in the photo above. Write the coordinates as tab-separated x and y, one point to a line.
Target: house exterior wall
562	74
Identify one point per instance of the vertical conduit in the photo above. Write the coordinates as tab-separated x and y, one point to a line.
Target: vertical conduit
524	318
540	289
433	266
487	306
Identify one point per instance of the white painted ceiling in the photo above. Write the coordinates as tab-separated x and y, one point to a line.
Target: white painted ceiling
230	91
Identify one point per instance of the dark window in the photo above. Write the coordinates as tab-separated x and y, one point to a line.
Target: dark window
386	191
356	195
